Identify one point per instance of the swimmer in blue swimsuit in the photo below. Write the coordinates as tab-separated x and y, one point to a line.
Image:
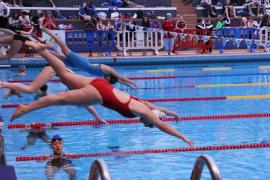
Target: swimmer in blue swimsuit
74	60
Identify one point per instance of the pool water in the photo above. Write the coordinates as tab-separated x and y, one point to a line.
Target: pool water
234	164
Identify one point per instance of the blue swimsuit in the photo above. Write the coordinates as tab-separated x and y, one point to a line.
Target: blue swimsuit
75	60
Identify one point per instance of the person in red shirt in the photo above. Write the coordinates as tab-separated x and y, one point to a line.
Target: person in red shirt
49	22
168	25
180	25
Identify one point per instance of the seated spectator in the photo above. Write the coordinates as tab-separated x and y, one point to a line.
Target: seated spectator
124	3
86	12
14	22
265	21
168	25
229	9
207	4
25	20
49	22
15	3
59	160
249	4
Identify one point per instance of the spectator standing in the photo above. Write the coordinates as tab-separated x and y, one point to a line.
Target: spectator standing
146	25
49	22
168	25
101	28
131	27
155	23
180	25
229	9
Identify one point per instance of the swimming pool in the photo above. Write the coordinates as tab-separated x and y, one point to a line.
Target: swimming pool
179	81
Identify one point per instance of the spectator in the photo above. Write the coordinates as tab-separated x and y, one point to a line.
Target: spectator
82	11
265	21
179	28
49	22
101	28
110	33
59	160
207	4
14	22
246	22
249	4
261	6
229	9
168	25
124	3
25	19
4	13
146	25
223	22
154	23
37	22
15	3
131	27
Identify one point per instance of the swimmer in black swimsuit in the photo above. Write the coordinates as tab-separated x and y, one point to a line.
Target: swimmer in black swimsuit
58	160
16	42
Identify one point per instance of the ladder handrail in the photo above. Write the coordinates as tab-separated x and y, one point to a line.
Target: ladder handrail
2	154
199	165
99	167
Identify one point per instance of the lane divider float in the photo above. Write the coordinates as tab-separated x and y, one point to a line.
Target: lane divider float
213	98
149	151
132	121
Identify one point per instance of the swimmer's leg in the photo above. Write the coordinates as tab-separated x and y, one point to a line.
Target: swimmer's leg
6	39
72	59
7	31
70	170
62	44
59	67
83	96
50	171
46	74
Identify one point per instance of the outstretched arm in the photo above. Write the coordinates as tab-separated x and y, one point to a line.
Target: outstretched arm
123	80
93	111
165	110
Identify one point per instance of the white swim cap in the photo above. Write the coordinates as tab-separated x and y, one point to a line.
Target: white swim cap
159	114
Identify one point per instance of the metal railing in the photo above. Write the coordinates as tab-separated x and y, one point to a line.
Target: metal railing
99	167
199	165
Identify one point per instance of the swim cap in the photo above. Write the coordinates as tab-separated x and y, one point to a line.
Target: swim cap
113	79
56	137
44	88
159	114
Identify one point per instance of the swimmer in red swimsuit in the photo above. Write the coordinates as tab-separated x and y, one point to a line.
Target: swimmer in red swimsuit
90	91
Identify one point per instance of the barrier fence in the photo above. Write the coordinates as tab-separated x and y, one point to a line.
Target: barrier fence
265	38
201	40
237	37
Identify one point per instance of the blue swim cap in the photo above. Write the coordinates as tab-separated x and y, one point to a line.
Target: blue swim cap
56	137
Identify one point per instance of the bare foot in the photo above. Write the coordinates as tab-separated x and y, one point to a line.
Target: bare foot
20	110
35	45
2	84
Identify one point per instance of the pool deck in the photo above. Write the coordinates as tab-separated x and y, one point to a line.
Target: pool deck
137	58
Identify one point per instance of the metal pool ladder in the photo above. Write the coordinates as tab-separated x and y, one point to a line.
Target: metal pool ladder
99	167
199	165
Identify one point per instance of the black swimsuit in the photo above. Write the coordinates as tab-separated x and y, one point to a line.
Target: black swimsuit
21	38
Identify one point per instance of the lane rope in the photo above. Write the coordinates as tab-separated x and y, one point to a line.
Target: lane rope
163	77
132	121
213	98
149	151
